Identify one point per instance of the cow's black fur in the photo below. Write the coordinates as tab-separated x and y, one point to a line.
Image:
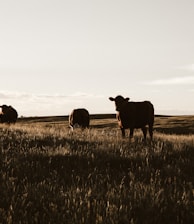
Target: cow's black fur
132	115
79	117
8	114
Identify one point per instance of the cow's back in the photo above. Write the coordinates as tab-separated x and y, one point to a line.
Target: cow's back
137	114
79	116
9	115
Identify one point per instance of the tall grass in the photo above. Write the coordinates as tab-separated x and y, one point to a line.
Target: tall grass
51	175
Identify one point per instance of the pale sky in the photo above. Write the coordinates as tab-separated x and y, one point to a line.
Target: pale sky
57	55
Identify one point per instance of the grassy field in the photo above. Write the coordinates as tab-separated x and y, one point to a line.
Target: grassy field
50	175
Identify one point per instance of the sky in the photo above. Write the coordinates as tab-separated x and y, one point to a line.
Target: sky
57	55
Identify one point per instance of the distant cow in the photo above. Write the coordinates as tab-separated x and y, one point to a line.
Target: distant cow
8	114
79	117
134	115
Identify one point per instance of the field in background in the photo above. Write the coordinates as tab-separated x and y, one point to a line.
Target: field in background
50	175
164	124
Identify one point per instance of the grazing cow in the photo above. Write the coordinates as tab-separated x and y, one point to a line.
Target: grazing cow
8	115
134	115
79	117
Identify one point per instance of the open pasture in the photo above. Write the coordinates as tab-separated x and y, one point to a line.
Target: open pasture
50	175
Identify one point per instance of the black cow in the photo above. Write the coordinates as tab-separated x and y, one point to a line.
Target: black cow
79	117
134	115
8	115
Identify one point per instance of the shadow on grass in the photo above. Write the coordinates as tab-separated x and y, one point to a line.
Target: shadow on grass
178	130
174	124
49	185
84	162
104	125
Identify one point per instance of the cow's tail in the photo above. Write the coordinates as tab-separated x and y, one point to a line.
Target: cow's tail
151	119
151	114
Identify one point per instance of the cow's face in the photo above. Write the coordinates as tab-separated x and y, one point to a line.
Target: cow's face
4	109
119	102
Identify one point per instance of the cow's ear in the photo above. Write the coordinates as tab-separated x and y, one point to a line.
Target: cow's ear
111	98
127	99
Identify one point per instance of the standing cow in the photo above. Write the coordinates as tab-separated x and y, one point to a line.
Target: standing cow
8	115
79	117
134	115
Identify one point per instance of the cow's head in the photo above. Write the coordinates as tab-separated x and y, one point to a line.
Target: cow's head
4	109
119	101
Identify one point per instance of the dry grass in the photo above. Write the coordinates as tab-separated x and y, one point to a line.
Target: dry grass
51	175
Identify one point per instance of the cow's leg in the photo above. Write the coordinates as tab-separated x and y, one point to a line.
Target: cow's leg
144	130
123	132
131	133
151	131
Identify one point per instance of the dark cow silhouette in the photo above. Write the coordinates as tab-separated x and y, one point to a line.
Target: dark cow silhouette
132	115
79	117
8	115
